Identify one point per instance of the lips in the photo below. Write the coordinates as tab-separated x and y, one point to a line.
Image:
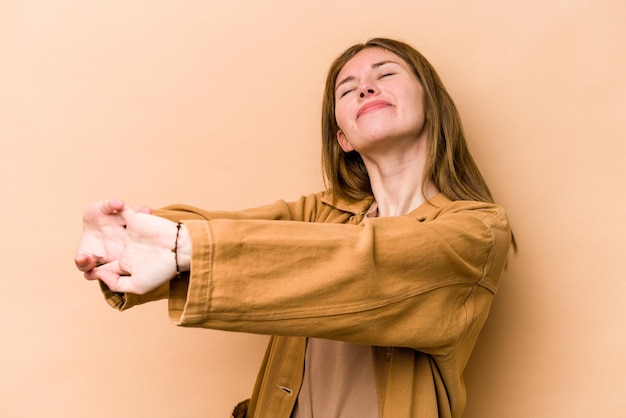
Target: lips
371	106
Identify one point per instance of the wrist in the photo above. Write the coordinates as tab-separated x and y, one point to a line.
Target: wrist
183	248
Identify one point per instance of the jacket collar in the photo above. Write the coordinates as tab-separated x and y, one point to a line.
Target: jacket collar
359	207
426	210
431	208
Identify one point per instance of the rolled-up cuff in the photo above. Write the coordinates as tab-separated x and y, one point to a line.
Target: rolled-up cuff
124	301
190	295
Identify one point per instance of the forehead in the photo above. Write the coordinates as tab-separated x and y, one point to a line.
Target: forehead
368	58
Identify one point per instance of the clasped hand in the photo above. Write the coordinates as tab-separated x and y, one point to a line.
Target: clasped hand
129	250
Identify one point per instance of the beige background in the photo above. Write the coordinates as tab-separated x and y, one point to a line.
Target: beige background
217	104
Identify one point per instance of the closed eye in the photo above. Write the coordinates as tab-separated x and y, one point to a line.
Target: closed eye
345	93
386	75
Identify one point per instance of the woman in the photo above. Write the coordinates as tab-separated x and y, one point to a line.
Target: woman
374	291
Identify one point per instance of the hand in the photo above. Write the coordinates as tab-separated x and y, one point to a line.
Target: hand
145	259
104	234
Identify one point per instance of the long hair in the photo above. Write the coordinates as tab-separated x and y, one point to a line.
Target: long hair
449	164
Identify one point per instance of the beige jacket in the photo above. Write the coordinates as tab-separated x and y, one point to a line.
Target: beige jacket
418	288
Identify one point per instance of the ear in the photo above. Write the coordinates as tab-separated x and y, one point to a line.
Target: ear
343	142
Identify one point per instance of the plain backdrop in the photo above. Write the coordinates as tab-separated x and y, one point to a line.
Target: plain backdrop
217	104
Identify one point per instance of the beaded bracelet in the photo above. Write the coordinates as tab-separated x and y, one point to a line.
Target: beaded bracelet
175	250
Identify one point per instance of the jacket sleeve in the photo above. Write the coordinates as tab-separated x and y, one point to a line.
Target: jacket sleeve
277	211
409	281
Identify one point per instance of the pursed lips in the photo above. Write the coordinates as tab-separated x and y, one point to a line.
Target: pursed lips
370	106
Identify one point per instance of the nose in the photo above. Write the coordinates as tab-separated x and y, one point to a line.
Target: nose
366	91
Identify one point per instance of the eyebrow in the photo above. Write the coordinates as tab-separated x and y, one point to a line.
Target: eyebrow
375	65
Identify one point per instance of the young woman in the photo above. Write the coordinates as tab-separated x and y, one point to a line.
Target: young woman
374	290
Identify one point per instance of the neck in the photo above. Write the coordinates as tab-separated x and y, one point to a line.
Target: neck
397	181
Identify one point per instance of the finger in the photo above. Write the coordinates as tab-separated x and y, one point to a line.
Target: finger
111	206
119	283
83	262
86	261
112	280
111	275
96	272
93	215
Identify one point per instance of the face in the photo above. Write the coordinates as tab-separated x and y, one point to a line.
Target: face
379	103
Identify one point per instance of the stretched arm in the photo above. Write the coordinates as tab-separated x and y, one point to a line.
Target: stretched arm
421	280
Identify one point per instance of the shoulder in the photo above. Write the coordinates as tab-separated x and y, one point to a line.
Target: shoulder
484	220
441	207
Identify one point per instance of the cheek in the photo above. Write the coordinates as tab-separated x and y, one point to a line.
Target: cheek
340	116
419	103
